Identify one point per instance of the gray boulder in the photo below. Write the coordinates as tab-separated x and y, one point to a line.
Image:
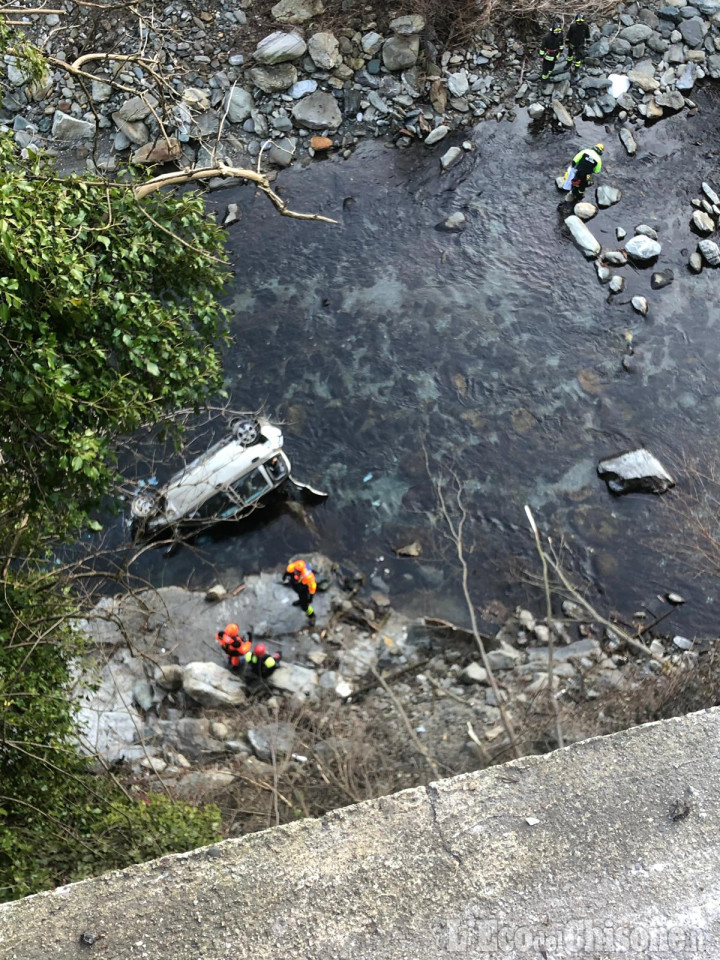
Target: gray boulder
628	141
474	673
642	248
584	210
451	157
661	279
535	111
401	52
710	193
672	99
437	134
65	127
686	80
319	111
641	305
599	49
135	109
203	784
282	152
324	50
562	115
637	33
212	685
458	83
637	471
279	47
274	79
583	237
647	83
136	131
617	283
710	252
272	740
100	92
692	32
295	679
297	11
713	65
239	105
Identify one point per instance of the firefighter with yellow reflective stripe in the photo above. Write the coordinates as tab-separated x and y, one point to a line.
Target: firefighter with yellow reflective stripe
299	575
259	661
585	163
550	49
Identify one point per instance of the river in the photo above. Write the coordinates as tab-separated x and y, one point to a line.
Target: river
495	350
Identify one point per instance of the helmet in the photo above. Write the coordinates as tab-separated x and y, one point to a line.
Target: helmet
557	28
260	650
579	18
232	630
600	147
276	656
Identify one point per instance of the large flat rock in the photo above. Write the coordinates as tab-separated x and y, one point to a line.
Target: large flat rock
614	839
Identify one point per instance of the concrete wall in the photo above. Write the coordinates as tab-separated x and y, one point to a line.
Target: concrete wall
606	850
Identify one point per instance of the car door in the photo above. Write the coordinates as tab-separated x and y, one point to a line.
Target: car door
248	490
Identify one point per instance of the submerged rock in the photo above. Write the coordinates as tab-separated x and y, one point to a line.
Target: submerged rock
437	134
628	141
450	158
661	279
562	115
617	284
582	236
607	196
637	471
535	111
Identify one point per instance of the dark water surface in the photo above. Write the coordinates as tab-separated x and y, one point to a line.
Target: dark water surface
496	350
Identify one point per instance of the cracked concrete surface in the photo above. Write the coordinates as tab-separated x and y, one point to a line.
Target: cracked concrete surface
586	852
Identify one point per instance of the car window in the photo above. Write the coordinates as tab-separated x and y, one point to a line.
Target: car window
213	506
276	469
250	487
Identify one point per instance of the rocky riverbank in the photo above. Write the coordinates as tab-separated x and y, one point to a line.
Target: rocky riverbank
226	80
366	696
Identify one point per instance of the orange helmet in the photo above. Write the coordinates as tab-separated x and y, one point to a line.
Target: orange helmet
260	650
232	630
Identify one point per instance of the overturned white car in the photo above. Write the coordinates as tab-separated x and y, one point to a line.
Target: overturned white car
227	482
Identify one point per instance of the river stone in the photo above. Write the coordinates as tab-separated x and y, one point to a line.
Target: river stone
100	92
583	237
617	284
652	110
708	7
636	33
607	196
65	127
319	111
410	24
620	47
603	272
279	47
710	193
642	248
135	109
451	157
142	694
212	685
437	134
458	83
616	258
291	677
628	141
456	221
595	83
661	279
640	304
562	115
686	81
671	99
371	43
272	740
584	210
702	222
169	676
670	13
321	144
324	50
646	230
203	784
710	252
696	262
473	673
646	83
297	11
282	152
535	111
158	151
637	471
136	132
692	32
239	104
302	88
400	52
599	49
274	79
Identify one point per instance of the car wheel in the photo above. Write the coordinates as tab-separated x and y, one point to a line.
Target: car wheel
144	505
244	431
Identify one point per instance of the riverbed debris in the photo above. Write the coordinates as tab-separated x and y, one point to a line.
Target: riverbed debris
637	471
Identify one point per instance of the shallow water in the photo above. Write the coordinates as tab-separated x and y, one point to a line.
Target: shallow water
496	350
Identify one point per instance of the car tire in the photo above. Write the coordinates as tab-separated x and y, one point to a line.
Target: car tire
144	505
244	431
